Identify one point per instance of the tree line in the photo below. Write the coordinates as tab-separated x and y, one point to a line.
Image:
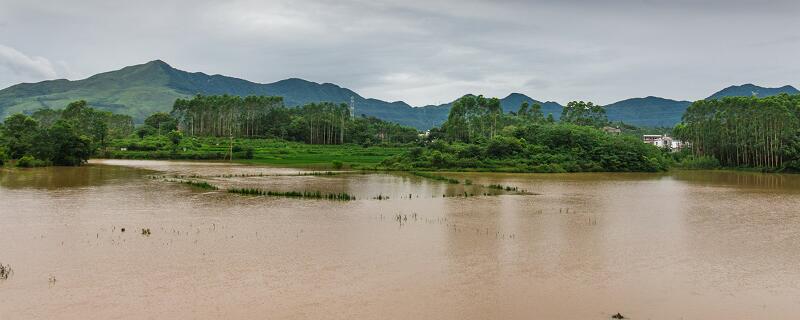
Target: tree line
267	117
745	131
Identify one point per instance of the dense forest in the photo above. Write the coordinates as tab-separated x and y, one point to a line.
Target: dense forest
745	131
60	137
267	117
479	136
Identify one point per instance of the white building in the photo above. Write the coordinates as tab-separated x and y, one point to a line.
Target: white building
663	141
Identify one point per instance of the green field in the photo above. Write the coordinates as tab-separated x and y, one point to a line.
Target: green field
254	151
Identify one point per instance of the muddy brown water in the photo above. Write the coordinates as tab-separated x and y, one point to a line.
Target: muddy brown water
679	245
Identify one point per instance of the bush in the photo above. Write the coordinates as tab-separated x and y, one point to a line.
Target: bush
30	162
337	164
501	147
699	163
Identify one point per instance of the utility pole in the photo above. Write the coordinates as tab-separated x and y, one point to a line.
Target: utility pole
352	107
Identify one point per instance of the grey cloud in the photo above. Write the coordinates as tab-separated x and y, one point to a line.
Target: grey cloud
426	52
26	67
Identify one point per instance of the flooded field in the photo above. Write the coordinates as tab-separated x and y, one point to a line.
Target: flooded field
679	245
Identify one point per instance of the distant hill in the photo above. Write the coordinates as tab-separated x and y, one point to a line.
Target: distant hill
140	90
749	89
648	111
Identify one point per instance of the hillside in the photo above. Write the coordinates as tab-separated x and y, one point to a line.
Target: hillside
648	111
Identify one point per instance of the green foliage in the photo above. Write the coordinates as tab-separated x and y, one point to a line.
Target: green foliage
260	151
699	163
436	177
19	135
175	137
584	114
62	137
144	131
744	131
537	147
472	118
30	162
337	164
266	117
201	185
68	148
162	122
528	142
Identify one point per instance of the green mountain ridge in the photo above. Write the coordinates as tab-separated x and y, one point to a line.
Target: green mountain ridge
140	90
750	89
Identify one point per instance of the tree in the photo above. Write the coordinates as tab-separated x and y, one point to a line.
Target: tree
744	131
19	134
584	114
175	137
162	121
69	149
144	131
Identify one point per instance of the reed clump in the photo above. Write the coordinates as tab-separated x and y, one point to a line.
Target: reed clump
502	187
342	196
382	197
201	185
195	183
318	173
5	271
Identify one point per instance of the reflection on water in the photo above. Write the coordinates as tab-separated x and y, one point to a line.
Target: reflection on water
65	177
694	245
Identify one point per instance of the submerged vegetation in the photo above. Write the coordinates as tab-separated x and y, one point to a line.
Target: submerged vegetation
200	185
293	194
501	187
5	271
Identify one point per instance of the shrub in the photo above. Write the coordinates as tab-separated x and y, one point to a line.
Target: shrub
30	162
337	164
699	163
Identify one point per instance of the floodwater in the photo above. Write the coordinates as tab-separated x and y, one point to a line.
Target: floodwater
680	245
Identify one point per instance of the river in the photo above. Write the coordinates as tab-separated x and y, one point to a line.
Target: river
678	245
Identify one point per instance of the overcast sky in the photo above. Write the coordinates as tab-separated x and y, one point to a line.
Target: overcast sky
421	52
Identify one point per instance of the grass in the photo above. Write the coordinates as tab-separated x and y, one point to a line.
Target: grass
435	177
264	151
293	194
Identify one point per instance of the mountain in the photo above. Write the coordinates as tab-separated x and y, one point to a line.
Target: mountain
750	89
140	90
649	111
